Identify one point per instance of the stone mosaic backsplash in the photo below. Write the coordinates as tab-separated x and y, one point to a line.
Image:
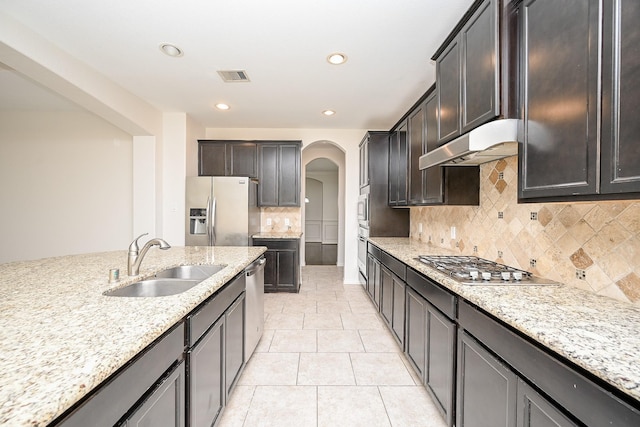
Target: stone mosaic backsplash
589	245
278	217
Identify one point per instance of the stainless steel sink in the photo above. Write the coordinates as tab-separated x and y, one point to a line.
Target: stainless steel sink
154	288
171	281
199	272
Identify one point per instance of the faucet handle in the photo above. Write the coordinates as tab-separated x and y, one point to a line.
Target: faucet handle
133	247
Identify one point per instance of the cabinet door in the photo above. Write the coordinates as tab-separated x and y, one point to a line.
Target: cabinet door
370	277
480	60
536	411
440	371
558	151
416	149
268	175
286	267
397	317
206	385
165	406
433	193
242	159
486	388
212	159
386	294
621	97
289	175
270	270
394	153
234	343
416	333
448	89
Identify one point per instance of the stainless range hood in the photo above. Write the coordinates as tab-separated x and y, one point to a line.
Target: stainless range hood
488	142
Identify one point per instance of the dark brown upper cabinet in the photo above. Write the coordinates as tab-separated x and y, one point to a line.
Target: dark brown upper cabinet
468	72
566	88
227	158
279	174
398	156
621	97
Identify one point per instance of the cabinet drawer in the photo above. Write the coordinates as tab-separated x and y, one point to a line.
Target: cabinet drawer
213	308
277	243
374	250
398	267
437	296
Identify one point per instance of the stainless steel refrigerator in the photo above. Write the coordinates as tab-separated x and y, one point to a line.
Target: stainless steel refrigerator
221	211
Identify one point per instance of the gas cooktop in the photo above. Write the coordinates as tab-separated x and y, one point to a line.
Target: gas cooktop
472	270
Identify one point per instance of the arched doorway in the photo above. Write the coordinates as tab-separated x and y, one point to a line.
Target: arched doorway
329	154
321	212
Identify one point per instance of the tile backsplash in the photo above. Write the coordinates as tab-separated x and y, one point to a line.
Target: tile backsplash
589	245
278	217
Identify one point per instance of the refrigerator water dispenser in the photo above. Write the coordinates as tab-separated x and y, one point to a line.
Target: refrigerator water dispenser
197	221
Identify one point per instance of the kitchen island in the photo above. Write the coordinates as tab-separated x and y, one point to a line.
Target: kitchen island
61	337
595	336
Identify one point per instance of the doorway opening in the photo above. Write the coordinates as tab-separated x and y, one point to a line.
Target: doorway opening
321	210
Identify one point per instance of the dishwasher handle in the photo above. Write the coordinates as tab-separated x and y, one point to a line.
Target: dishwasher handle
255	267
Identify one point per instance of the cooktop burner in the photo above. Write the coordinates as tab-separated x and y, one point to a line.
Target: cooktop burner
472	270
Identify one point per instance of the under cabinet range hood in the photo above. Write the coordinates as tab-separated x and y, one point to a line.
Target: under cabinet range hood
488	142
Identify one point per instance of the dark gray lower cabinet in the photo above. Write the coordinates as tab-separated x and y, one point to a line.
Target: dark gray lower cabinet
440	368
430	343
215	357
392	301
416	331
234	342
486	387
374	278
536	411
282	269
165	406
205	377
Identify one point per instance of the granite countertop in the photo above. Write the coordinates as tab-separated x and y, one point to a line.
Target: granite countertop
278	235
596	333
61	337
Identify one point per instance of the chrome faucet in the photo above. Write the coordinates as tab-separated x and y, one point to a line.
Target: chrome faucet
136	254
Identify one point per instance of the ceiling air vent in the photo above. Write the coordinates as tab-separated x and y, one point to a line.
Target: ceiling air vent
232	76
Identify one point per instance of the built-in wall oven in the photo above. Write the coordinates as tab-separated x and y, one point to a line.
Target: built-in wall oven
363	235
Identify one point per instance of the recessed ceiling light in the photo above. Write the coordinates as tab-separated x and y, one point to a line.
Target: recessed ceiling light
328	112
170	50
337	58
222	106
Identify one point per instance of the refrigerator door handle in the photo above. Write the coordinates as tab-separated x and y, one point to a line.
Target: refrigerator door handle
212	223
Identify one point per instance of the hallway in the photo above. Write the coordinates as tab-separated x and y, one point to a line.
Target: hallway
326	359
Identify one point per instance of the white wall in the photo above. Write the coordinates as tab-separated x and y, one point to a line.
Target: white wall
65	185
348	141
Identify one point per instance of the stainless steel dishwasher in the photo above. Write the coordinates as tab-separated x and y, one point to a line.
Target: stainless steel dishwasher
254	304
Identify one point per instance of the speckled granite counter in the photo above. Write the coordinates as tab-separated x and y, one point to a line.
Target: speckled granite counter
596	333
61	337
276	235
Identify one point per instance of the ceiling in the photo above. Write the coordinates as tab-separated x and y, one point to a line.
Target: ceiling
282	45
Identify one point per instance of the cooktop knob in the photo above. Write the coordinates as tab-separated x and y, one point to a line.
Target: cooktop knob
486	275
474	275
505	275
517	275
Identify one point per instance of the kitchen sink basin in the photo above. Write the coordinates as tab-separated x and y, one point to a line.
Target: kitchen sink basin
171	281
194	272
154	288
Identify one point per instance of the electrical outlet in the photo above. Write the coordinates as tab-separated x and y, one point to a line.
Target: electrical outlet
534	216
533	262
500	215
269	222
419	227
475	249
287	222
453	233
581	274
500	254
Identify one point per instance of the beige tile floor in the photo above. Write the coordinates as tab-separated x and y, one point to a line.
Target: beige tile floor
326	359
